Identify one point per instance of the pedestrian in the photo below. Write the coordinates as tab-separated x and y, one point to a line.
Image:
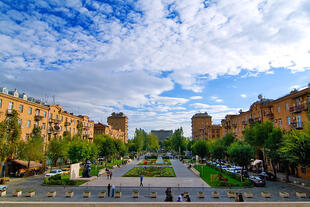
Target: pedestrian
180	198
237	197
109	189
188	199
141	181
111	175
240	197
113	190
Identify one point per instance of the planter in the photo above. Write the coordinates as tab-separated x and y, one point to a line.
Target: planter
215	195
2	193
135	194
69	194
51	194
301	195
102	194
118	194
200	195
86	194
17	193
284	194
153	195
248	195
30	194
231	194
265	194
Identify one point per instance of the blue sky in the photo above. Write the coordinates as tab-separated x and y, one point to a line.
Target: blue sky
159	62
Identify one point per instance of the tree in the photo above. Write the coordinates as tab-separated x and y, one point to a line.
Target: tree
218	149
57	148
14	134
120	147
106	146
272	146
3	141
228	139
178	141
139	139
296	148
153	144
200	148
81	150
240	154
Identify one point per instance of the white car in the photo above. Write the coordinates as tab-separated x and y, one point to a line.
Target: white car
53	172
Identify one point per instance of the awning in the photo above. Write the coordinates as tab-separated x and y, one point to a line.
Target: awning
33	164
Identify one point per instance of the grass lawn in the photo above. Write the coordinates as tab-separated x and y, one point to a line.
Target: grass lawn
64	180
150	162
150	172
93	170
67	177
206	172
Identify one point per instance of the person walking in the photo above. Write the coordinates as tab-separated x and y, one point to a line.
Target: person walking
237	197
111	175
141	181
113	190
109	189
240	197
188	199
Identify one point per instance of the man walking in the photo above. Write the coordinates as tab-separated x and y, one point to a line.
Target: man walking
113	190
111	175
141	181
109	189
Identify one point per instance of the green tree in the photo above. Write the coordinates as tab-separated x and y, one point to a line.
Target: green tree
218	149
81	150
14	134
106	146
139	139
120	147
153	144
3	141
200	148
57	148
240	154
228	139
178	141
272	146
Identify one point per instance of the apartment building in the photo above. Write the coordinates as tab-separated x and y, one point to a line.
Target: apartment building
162	134
106	129
287	112
118	121
202	127
52	119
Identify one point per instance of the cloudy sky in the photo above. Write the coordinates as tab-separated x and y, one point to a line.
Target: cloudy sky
158	61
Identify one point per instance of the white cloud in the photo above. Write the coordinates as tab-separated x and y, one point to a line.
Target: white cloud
195	97
243	95
216	99
295	87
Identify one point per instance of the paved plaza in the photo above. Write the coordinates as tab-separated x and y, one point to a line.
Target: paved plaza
184	178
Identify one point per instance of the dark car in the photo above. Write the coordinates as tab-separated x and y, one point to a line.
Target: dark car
268	175
257	181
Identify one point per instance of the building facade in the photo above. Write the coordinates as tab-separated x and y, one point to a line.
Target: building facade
118	121
106	129
53	120
288	112
162	134
202	127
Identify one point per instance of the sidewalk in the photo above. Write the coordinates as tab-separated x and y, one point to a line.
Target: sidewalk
300	182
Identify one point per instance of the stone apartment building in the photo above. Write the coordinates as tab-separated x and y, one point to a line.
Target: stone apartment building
287	112
117	127
52	119
162	134
202	127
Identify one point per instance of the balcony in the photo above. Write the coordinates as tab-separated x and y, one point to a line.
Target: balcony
269	115
57	121
10	112
50	130
51	120
298	108
67	123
38	117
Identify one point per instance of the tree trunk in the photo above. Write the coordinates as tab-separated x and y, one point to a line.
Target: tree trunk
287	174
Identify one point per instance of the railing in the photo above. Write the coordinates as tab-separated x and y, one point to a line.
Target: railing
67	123
51	120
297	125
38	117
10	112
57	121
298	108
269	114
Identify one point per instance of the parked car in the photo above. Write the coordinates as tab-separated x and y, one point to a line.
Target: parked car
65	171
53	172
268	175
257	181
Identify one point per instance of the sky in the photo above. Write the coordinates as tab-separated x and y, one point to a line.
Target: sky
158	61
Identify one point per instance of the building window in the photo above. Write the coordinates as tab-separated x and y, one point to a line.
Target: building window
10	105
280	122
43	126
21	108
299	123
51	115
73	130
0	103
29	110
288	120
279	109
287	108
56	117
36	123
20	122
70	129
44	114
37	112
28	123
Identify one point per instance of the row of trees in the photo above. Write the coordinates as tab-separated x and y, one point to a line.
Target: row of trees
143	142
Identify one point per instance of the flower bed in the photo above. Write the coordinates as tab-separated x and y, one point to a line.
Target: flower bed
151	172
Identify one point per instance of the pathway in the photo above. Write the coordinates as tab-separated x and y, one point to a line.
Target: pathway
184	178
